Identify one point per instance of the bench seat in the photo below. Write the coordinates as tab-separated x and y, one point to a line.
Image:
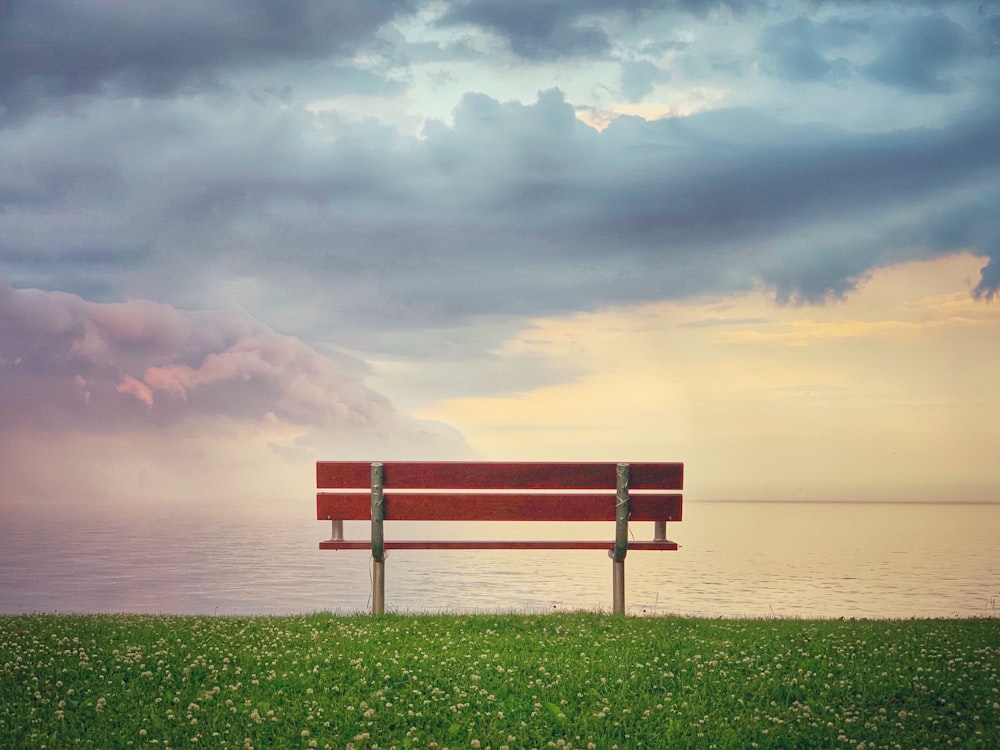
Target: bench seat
665	545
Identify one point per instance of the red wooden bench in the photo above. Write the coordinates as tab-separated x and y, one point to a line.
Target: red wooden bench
477	491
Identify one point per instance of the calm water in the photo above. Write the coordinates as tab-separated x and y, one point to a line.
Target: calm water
736	559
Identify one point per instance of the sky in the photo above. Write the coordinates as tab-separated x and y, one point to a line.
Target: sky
238	237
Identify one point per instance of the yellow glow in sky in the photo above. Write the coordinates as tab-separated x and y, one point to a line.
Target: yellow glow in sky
889	394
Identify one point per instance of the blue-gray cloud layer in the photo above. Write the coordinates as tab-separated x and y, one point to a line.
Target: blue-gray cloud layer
55	52
148	150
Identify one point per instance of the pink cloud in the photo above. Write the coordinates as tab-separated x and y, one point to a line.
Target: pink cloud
206	363
152	380
137	388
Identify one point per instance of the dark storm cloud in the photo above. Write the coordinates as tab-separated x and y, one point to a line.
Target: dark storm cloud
54	52
515	209
682	204
541	29
798	50
726	173
920	55
534	29
989	282
346	230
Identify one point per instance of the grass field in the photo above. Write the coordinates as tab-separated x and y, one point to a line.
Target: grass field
496	681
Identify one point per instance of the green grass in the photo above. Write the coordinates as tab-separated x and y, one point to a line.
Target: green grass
567	681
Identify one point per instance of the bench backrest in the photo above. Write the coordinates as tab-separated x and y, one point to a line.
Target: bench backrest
497	491
478	491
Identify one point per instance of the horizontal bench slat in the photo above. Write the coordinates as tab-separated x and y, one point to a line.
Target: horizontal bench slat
425	475
493	544
356	506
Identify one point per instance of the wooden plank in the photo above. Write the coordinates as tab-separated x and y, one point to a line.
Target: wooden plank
348	475
423	475
666	544
342	506
656	476
356	506
496	545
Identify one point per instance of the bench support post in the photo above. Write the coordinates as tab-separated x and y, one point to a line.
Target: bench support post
618	587
659	531
378	587
621	538
378	542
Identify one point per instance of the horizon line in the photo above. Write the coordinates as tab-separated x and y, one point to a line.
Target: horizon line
845	502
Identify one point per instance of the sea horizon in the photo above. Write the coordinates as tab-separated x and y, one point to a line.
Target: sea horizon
736	559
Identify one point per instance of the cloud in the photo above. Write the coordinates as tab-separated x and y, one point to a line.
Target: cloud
920	54
567	28
146	380
639	78
128	385
908	364
989	281
53	53
353	233
150	363
533	30
404	181
344	229
797	50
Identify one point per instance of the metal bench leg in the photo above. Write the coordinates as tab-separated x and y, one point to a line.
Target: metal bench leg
618	587
622	513
378	587
378	542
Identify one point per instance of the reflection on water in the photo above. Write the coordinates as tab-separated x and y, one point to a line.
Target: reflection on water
736	559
